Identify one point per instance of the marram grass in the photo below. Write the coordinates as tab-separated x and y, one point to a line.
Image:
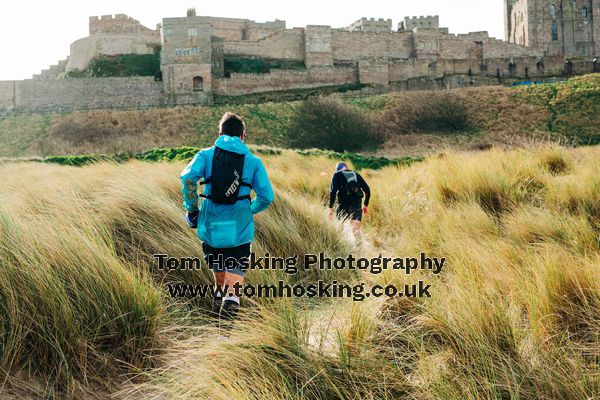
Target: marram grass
515	314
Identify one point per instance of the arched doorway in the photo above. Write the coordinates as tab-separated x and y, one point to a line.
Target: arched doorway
198	84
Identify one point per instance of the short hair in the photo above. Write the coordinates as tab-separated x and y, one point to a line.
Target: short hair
231	124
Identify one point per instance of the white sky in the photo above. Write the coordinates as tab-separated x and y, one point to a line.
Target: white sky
36	34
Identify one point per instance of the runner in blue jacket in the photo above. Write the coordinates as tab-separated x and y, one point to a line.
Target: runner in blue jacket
225	225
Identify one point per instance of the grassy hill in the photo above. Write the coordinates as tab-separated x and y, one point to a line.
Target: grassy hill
515	313
506	117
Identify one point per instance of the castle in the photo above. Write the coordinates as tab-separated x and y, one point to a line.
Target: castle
544	38
569	28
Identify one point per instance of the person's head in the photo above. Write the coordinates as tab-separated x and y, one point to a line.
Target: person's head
341	166
232	125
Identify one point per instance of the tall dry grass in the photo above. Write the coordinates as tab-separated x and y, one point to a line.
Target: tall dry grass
81	297
514	314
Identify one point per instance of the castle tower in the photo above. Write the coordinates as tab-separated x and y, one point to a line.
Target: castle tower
186	59
558	27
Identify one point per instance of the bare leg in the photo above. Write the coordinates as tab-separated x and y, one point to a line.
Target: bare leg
230	280
357	232
217	297
231	303
219	278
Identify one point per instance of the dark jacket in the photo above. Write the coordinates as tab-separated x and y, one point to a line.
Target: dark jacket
345	201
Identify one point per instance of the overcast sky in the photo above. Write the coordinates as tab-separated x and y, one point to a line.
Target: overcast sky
36	34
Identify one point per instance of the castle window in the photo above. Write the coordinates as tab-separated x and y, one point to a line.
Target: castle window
261	35
198	84
192	32
584	12
553	10
554	30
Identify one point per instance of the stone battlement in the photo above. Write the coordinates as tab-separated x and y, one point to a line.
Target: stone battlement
117	24
371	25
421	22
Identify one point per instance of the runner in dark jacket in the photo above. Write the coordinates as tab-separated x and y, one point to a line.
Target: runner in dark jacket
349	189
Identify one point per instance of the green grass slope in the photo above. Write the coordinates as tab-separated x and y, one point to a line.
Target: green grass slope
568	111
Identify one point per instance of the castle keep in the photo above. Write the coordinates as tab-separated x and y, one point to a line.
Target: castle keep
544	38
568	28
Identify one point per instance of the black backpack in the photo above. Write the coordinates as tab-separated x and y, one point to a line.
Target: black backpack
226	179
352	185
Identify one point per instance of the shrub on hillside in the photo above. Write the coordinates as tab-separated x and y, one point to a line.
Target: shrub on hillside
122	65
251	65
328	124
426	112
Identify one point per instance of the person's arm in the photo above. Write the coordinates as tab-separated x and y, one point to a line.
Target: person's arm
189	182
262	187
365	188
333	191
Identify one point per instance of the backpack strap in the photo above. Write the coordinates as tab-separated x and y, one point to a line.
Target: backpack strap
207	180
208	197
350	175
205	196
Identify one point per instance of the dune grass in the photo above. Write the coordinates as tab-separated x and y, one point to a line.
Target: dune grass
514	314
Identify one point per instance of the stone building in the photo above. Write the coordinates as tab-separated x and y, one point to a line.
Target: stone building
544	38
569	28
371	25
186	59
112	35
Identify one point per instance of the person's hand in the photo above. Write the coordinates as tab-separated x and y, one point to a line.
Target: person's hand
191	219
364	210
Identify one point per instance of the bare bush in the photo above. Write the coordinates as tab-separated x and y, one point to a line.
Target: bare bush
329	124
426	112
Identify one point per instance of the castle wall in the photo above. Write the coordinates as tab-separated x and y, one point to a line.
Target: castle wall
178	82
374	72
458	47
428	22
371	25
410	69
519	33
119	24
72	94
495	48
565	28
351	46
318	45
242	29
228	28
6	95
239	84
112	36
287	44
86	49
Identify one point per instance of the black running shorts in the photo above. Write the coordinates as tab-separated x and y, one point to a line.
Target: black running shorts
349	214
227	259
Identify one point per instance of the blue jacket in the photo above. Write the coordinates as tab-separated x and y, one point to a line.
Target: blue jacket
226	225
